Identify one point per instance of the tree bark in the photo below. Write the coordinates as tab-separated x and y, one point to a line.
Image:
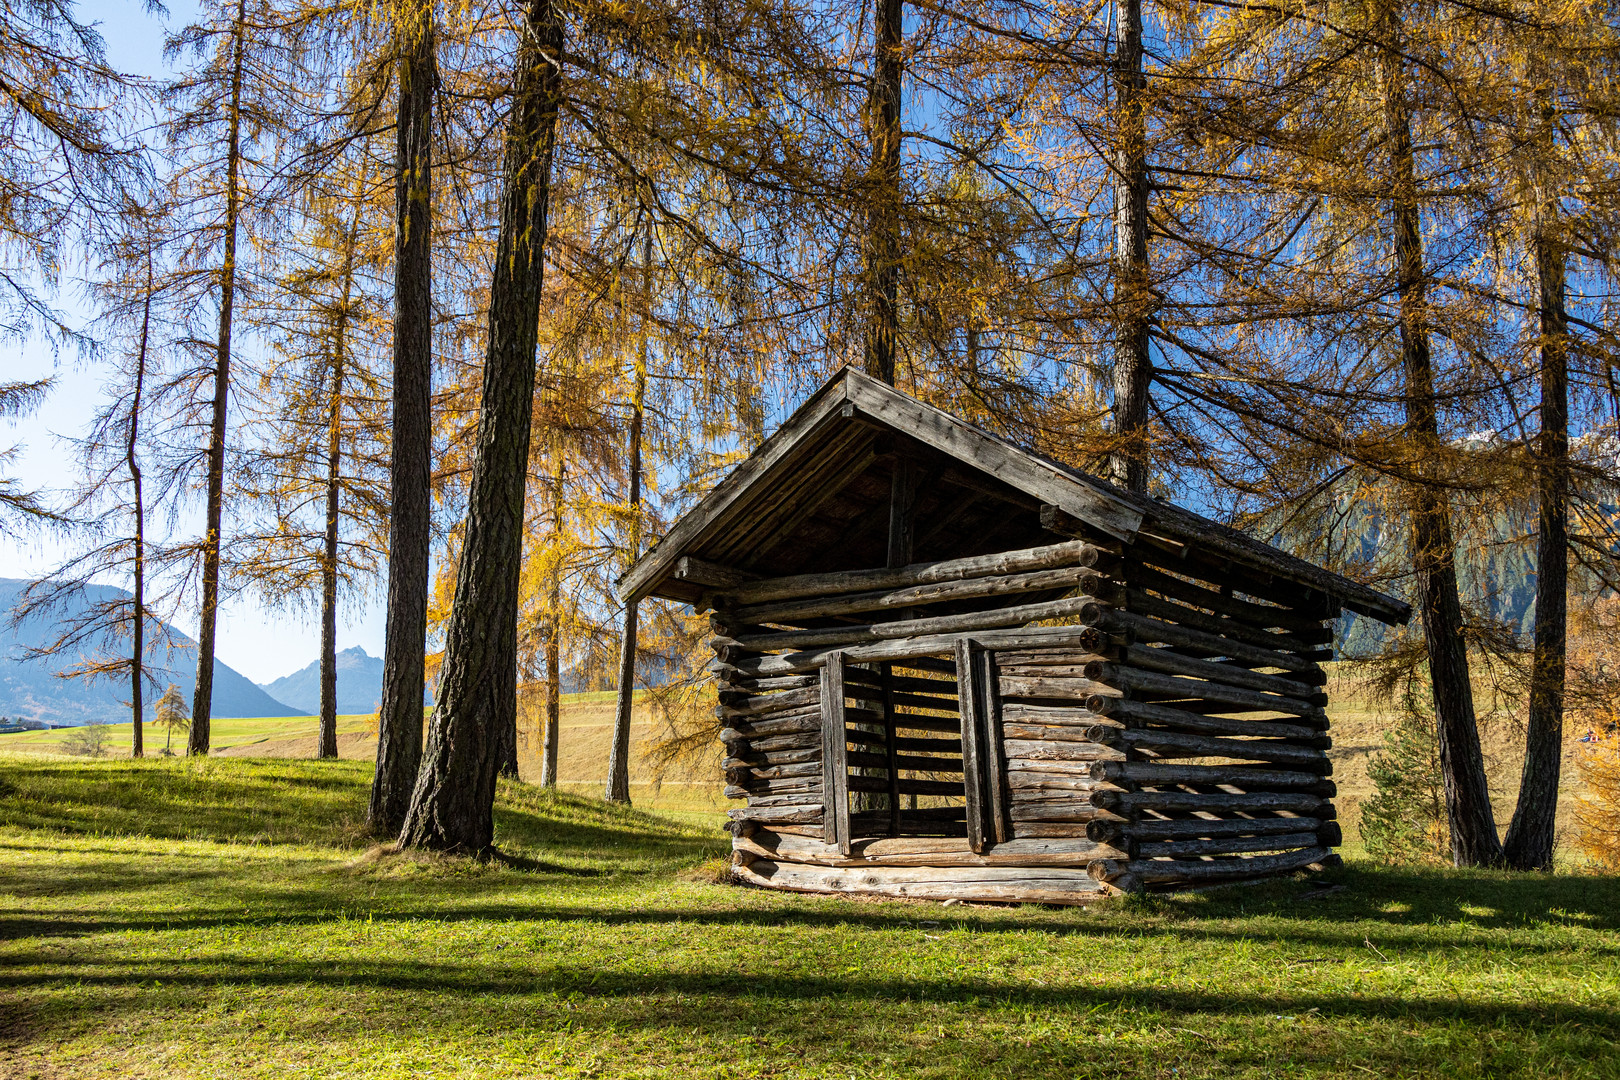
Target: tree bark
618	781
1529	844
202	702
548	746
399	711
453	805
329	576
1133	297
334	482
137	661
1468	804
882	255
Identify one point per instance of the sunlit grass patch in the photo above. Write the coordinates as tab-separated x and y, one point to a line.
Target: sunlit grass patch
223	918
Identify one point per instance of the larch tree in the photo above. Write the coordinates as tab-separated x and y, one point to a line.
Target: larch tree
311	482
452	806
116	635
217	113
410	528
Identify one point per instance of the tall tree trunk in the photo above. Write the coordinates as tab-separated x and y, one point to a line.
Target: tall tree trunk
202	701
399	711
1468	804
1133	296
618	779
882	255
334	483
453	805
137	658
329	574
548	745
1529	844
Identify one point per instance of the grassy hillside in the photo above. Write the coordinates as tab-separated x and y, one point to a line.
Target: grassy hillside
695	791
226	917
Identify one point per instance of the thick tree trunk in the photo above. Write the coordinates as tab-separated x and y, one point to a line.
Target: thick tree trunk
1529	844
548	744
1133	296
1468	804
453	806
882	255
202	702
137	657
618	780
329	575
399	712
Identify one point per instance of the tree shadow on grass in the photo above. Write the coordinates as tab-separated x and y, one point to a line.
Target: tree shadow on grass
1435	911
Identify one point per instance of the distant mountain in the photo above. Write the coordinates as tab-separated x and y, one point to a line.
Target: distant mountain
31	690
359	684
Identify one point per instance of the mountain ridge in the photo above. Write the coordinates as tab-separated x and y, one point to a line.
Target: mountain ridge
31	689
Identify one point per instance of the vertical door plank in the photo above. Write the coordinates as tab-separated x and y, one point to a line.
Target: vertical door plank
970	703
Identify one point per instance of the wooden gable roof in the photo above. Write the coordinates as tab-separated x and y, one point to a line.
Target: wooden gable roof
814	497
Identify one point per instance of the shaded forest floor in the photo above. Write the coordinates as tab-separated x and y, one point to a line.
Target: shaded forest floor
228	917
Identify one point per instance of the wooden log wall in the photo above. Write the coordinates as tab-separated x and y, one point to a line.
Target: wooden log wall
1211	694
1167	730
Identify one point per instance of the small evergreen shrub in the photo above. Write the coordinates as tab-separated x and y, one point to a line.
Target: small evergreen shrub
1405	821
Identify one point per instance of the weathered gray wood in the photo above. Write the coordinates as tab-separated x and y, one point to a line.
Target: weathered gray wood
834	755
774	725
1173	663
987	679
1156	607
1046	732
1053	688
744	772
910	650
1045	781
761	792
773	758
1071	810
1152	870
1148	629
805	740
1080	768
812	418
991	884
1133	802
1148	714
925	851
774	590
1191	849
701	572
993	619
1115	831
1013	661
1136	681
980	832
1046	750
765	704
824	607
1260	616
1098	507
777	814
1207	746
1023	712
1248	777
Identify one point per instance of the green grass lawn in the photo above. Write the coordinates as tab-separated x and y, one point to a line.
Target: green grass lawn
222	732
227	918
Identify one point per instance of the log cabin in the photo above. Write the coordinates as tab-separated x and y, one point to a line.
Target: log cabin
950	667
